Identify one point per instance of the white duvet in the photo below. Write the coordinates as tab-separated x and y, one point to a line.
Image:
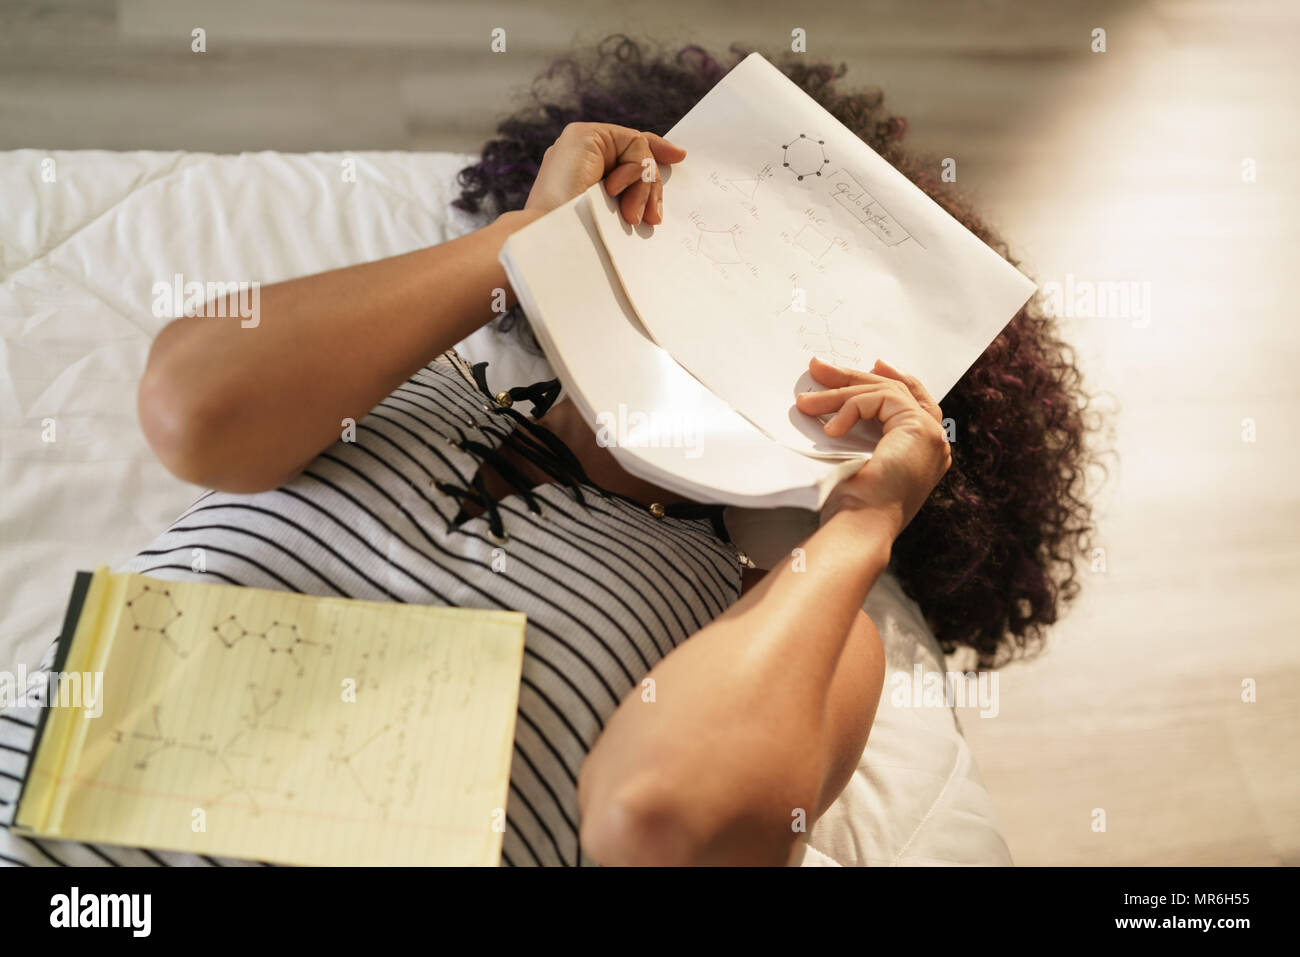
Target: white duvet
85	236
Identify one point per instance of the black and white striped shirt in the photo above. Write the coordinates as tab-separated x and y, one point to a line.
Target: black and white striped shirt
607	587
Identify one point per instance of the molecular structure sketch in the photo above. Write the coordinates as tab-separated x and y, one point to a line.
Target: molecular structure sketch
747	186
804	156
280	638
240	769
719	246
150	741
346	757
154	610
819	335
257	710
816	243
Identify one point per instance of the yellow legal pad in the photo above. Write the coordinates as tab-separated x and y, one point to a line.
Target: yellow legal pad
279	727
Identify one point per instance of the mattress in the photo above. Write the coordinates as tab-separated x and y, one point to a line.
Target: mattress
86	237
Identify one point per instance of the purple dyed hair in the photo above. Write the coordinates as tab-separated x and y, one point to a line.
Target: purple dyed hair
991	558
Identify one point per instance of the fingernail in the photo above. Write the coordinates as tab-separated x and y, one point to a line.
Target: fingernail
659	208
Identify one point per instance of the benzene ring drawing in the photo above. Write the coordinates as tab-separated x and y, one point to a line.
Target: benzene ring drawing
280	638
804	156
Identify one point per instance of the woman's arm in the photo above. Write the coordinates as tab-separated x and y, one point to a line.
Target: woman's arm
245	409
741	736
759	719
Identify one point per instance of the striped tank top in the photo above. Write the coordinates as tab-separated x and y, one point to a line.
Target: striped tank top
608	585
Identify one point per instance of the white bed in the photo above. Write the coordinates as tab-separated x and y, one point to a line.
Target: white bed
83	239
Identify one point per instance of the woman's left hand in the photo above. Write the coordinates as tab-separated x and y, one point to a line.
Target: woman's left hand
913	453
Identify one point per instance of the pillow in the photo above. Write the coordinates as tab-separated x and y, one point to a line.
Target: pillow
916	796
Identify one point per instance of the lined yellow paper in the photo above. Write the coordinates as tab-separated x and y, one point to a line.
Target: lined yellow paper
250	723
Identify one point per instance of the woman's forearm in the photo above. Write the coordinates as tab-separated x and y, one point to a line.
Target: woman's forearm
736	736
245	408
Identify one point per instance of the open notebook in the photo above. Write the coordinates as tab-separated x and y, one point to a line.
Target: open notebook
276	726
785	236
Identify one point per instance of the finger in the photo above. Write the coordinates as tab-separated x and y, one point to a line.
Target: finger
628	174
623	176
621	146
882	404
633	199
618	146
664	151
614	140
834	376
654	207
914	385
830	400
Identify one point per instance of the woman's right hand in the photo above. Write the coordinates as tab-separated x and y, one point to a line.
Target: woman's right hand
626	159
913	453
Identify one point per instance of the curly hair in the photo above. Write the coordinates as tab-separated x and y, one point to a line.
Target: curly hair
991	559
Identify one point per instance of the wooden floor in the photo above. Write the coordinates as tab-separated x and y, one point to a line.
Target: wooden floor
1123	165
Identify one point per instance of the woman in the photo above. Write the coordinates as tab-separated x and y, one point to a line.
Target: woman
634	745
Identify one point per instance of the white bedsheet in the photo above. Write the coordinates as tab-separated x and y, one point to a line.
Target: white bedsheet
84	236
